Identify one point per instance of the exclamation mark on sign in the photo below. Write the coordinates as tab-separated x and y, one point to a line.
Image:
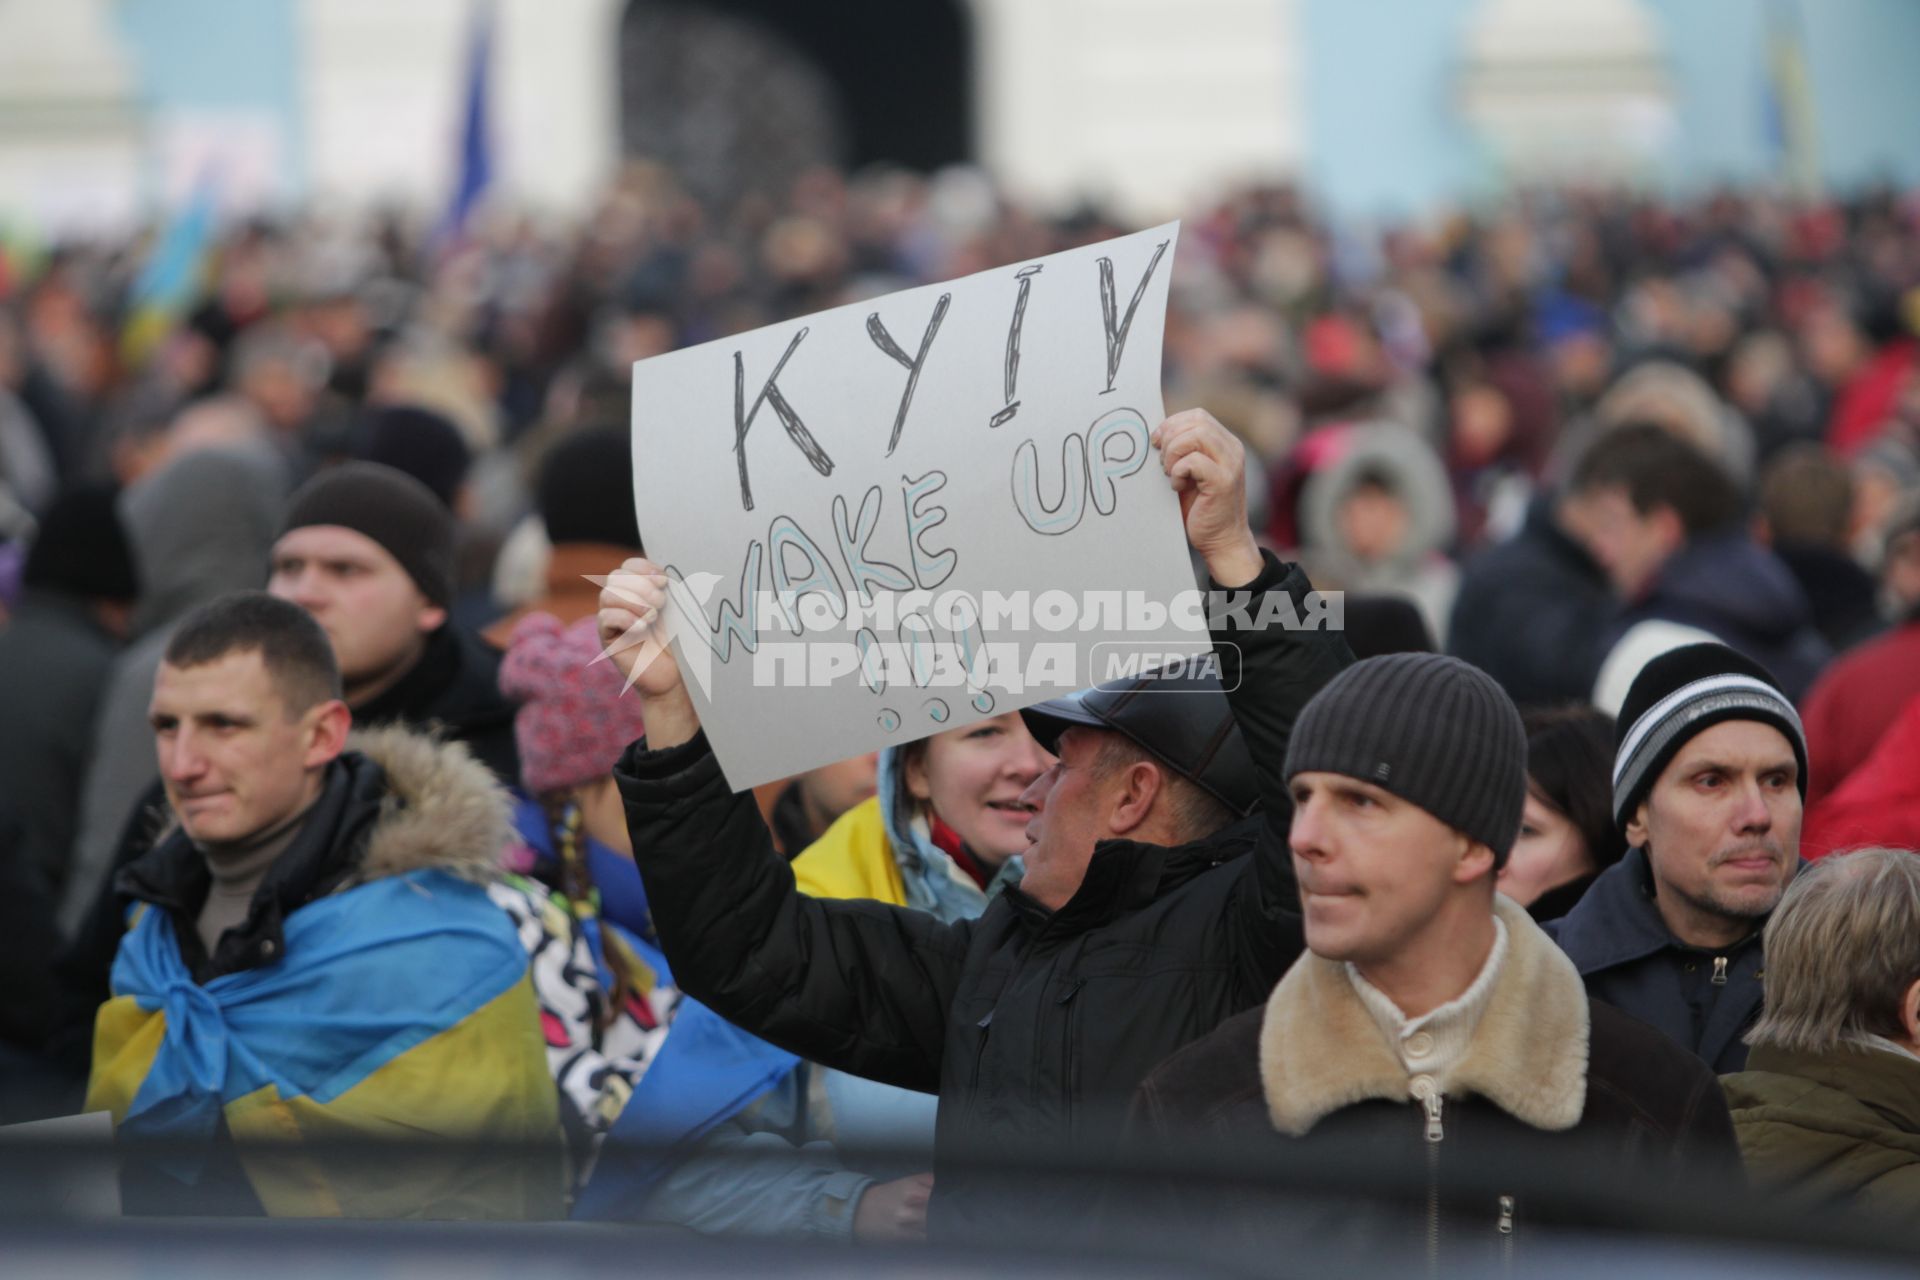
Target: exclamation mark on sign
1026	275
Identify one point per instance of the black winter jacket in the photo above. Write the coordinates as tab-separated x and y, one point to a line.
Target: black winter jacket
454	691
1033	1026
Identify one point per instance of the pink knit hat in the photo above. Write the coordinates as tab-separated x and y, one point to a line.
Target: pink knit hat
573	721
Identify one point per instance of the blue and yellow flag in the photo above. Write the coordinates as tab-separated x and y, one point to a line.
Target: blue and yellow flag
170	279
1792	127
706	1072
402	1011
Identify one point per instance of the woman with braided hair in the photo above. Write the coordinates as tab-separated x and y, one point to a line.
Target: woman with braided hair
657	1093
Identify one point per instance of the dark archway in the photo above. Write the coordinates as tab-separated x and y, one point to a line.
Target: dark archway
742	93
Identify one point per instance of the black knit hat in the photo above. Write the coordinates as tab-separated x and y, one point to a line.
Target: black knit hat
420	442
586	488
81	547
1681	694
393	509
1430	729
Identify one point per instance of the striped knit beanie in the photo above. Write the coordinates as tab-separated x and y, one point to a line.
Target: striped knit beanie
1679	695
1432	730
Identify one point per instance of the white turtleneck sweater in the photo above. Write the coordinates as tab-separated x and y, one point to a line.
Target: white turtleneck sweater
1433	1044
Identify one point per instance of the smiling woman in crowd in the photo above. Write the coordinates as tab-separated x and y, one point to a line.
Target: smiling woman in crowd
946	829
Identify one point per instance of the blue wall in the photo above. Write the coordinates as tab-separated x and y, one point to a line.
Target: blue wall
222	55
1863	55
1384	139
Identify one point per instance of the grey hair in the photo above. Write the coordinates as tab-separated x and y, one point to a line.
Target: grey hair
1196	812
1842	949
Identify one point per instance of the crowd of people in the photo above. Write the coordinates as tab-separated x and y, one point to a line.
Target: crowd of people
1593	825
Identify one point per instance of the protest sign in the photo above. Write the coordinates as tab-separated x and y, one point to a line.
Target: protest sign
906	515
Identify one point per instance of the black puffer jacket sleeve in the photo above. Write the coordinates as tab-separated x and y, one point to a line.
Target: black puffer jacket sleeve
1271	671
861	986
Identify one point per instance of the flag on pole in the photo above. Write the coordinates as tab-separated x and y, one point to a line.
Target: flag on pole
1791	124
170	279
475	173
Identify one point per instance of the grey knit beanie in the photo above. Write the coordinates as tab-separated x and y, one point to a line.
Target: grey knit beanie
1429	729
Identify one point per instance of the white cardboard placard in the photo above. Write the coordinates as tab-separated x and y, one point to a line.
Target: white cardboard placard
855	504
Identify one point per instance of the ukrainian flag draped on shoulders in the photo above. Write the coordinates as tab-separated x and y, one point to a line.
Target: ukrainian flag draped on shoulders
402	1011
399	1010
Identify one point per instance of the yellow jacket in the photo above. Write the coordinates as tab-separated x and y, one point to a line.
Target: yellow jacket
852	859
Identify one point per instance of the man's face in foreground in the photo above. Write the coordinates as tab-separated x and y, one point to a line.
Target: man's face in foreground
1373	869
235	762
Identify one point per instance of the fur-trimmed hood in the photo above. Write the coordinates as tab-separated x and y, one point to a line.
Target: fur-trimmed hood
394	802
444	811
1320	1050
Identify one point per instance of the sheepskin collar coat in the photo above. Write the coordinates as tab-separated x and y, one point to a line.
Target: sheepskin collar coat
393	802
1548	1071
1321	1050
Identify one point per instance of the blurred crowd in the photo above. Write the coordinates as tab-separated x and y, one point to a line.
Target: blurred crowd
1406	391
1555	436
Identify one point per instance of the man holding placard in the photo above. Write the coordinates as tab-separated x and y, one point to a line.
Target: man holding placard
1143	922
